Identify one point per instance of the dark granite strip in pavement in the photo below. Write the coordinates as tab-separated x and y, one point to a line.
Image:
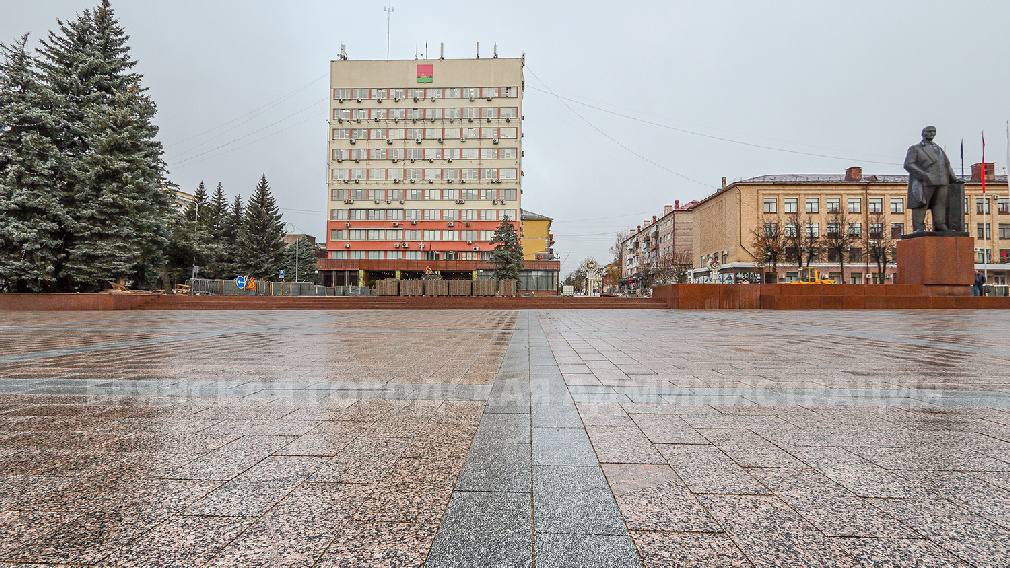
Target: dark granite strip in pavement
532	492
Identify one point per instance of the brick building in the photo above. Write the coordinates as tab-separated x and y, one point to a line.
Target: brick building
872	204
653	251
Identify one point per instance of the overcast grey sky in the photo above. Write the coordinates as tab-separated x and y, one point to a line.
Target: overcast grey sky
241	87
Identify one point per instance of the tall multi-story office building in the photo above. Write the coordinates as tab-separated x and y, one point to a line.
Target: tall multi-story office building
425	161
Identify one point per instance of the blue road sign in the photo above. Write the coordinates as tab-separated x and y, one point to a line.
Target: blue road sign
282	274
240	282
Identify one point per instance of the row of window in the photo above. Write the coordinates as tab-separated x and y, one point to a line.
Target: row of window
874	205
985	231
422	214
390	195
409	255
390	134
424	153
408	235
831	205
422	174
453	113
854	229
382	93
985	256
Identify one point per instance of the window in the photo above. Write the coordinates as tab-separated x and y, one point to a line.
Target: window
876	205
856	255
506	153
832	229
856	277
508	133
831	204
790	230
856	229
983	256
341	93
378	93
489	153
789	204
813	230
897	229
771	229
508	112
336	234
471	92
375	255
897	205
981	206
855	205
812	205
431	215
770	205
876	230
1003	206
984	232
1004	231
1004	256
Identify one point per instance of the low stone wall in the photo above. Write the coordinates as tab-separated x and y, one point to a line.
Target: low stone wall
815	297
73	302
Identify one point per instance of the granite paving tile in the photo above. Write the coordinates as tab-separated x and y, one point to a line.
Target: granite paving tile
585	551
382	545
179	542
653	498
484	528
705	469
574	500
562	446
667	429
687	550
622	444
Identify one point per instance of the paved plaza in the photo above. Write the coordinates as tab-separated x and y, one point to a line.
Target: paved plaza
505	438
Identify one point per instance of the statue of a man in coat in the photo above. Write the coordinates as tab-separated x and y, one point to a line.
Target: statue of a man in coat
929	178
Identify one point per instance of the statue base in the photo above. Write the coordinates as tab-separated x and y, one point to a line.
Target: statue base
943	263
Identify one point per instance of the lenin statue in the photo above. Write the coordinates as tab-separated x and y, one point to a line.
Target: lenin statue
933	185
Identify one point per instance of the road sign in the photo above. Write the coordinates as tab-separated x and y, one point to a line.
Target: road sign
282	274
240	282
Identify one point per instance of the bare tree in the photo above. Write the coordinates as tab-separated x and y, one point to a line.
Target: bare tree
792	239
769	246
672	267
812	243
838	241
880	245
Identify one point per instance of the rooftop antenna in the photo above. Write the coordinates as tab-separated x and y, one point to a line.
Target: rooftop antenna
343	52
426	50
441	50
495	56
478	50
389	13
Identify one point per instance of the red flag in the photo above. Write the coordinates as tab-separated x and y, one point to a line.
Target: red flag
983	161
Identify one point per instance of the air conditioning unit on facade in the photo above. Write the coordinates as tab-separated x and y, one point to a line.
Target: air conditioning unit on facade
396	99
359	100
475	249
353	141
396	245
403	244
378	101
389	142
347	245
416	99
401	202
431	181
469	242
348	201
412	160
462	181
489	121
451	224
347	224
340	160
494	140
395	224
395	160
418	140
414	222
460	202
448	181
357	181
388	202
340	121
508	120
412	180
396	180
376	201
450	160
341	101
431	160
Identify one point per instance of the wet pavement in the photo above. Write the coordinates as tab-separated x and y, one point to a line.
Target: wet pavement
465	438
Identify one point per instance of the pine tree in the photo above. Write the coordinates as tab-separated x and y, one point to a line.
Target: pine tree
508	253
260	244
114	181
31	214
235	216
300	261
217	219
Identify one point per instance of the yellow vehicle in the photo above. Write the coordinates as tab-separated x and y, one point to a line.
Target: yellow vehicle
812	276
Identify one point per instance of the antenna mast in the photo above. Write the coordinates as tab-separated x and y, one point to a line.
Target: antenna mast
389	13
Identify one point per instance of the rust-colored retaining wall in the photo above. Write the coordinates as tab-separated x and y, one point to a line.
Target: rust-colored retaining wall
815	296
91	302
70	302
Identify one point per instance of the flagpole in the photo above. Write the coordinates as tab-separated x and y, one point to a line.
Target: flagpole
962	159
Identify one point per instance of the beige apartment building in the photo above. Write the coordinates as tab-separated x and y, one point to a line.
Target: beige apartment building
872	204
425	162
653	250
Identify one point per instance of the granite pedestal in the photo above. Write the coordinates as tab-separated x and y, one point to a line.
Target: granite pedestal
945	265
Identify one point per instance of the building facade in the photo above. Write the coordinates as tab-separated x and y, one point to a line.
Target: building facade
538	241
425	162
659	249
873	205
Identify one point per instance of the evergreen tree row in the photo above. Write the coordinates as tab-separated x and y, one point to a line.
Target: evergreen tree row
225	241
83	195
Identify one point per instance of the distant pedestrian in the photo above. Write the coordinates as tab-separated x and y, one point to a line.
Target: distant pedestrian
978	289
